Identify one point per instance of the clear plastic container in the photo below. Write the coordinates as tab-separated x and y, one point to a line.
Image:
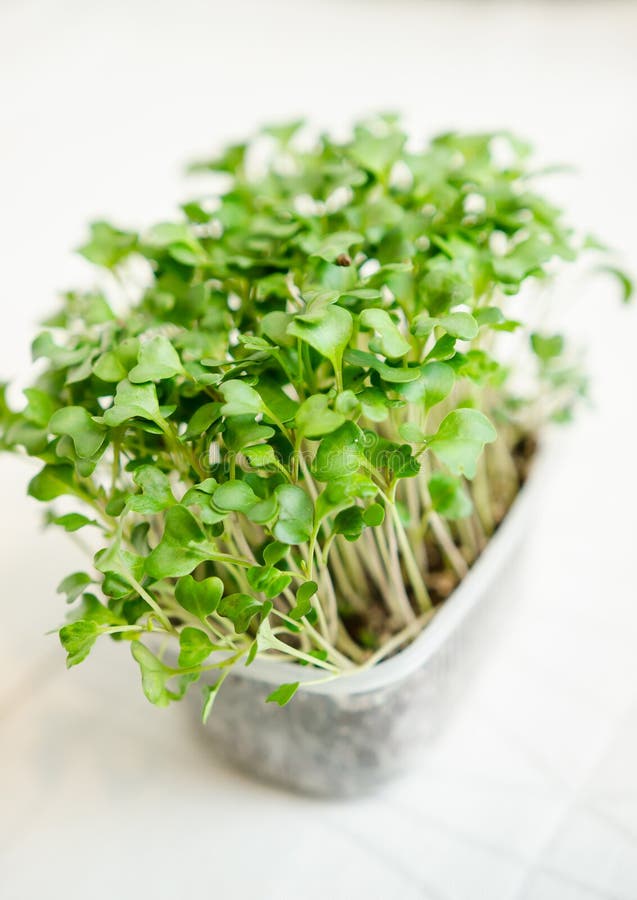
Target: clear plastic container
348	736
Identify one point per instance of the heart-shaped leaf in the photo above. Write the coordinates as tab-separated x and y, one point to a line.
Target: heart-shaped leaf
448	496
158	359
337	244
240	609
303	605
241	399
234	496
76	422
133	401
269	580
180	548
154	674
194	647
78	639
156	493
340	453
390	341
296	515
314	417
200	598
329	332
460	439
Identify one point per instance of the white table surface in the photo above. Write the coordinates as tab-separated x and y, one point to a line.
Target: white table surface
532	791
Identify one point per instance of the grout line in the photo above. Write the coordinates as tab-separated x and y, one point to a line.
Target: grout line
570	806
392	863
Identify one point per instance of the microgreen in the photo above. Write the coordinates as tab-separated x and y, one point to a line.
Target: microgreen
308	413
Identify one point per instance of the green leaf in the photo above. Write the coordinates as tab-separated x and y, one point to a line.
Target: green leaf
423	324
269	580
444	348
489	315
179	241
154	674
76	422
284	131
180	548
391	374
375	152
396	459
547	346
317	301
78	639
156	493
390	341
108	367
158	359
202	419
40	407
296	514
283	694
274	326
460	439
340	453
477	366
336	244
341	492
108	245
133	401
375	404
448	497
434	383
625	281
117	587
44	347
52	482
74	585
241	399
127	352
411	433
447	284
73	521
91	610
234	496
459	325
115	560
240	609
347	405
199	495
243	431
260	456
274	552
194	647
200	598
303	605
374	515
349	522
263	512
329	333
314	417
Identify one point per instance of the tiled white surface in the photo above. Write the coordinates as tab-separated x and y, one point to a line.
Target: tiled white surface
531	793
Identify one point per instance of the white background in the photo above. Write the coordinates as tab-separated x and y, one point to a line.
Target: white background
532	792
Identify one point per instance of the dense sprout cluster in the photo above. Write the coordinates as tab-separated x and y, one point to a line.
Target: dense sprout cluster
288	419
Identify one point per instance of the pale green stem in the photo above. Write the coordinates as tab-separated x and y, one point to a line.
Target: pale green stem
420	590
396	598
397	640
143	593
